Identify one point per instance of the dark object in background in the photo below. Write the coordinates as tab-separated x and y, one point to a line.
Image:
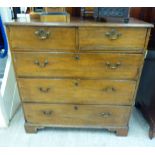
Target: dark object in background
3	41
38	9
145	100
87	12
112	14
16	10
147	14
74	11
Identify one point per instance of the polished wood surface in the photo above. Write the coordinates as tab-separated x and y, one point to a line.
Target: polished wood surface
78	70
77	22
77	115
78	91
118	38
57	38
55	18
104	65
55	9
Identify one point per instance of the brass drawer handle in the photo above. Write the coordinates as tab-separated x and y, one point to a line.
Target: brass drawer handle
41	65
44	90
113	66
47	112
105	114
113	34
109	89
42	34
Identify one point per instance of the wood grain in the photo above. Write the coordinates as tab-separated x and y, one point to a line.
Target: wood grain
78	74
77	91
77	22
55	9
55	18
59	38
95	38
80	65
82	115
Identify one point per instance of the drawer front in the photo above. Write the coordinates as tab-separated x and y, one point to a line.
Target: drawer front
77	115
113	66
42	38
77	91
112	38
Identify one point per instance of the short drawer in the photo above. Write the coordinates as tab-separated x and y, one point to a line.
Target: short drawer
42	38
77	91
90	65
112	38
77	115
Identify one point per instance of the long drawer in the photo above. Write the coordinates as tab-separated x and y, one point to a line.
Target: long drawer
90	65
77	91
42	38
77	115
111	38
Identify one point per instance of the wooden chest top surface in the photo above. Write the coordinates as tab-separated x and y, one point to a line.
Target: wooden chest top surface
76	22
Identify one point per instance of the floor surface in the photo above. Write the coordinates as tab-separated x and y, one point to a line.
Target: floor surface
16	136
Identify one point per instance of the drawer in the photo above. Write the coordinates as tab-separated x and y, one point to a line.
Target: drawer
77	91
42	38
112	38
77	115
90	65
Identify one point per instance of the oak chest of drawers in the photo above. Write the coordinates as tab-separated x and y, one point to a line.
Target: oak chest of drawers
78	74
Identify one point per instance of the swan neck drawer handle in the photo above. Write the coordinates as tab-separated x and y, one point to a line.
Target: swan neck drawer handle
44	90
105	114
47	112
113	34
109	89
41	65
113	66
42	34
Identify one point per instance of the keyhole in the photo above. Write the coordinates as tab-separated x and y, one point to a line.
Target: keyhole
75	107
76	83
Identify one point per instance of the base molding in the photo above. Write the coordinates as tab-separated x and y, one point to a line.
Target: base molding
33	128
122	132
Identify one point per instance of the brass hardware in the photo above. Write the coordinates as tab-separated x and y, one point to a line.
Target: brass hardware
44	90
76	107
47	112
77	57
105	114
113	34
76	82
113	66
109	89
41	65
42	34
